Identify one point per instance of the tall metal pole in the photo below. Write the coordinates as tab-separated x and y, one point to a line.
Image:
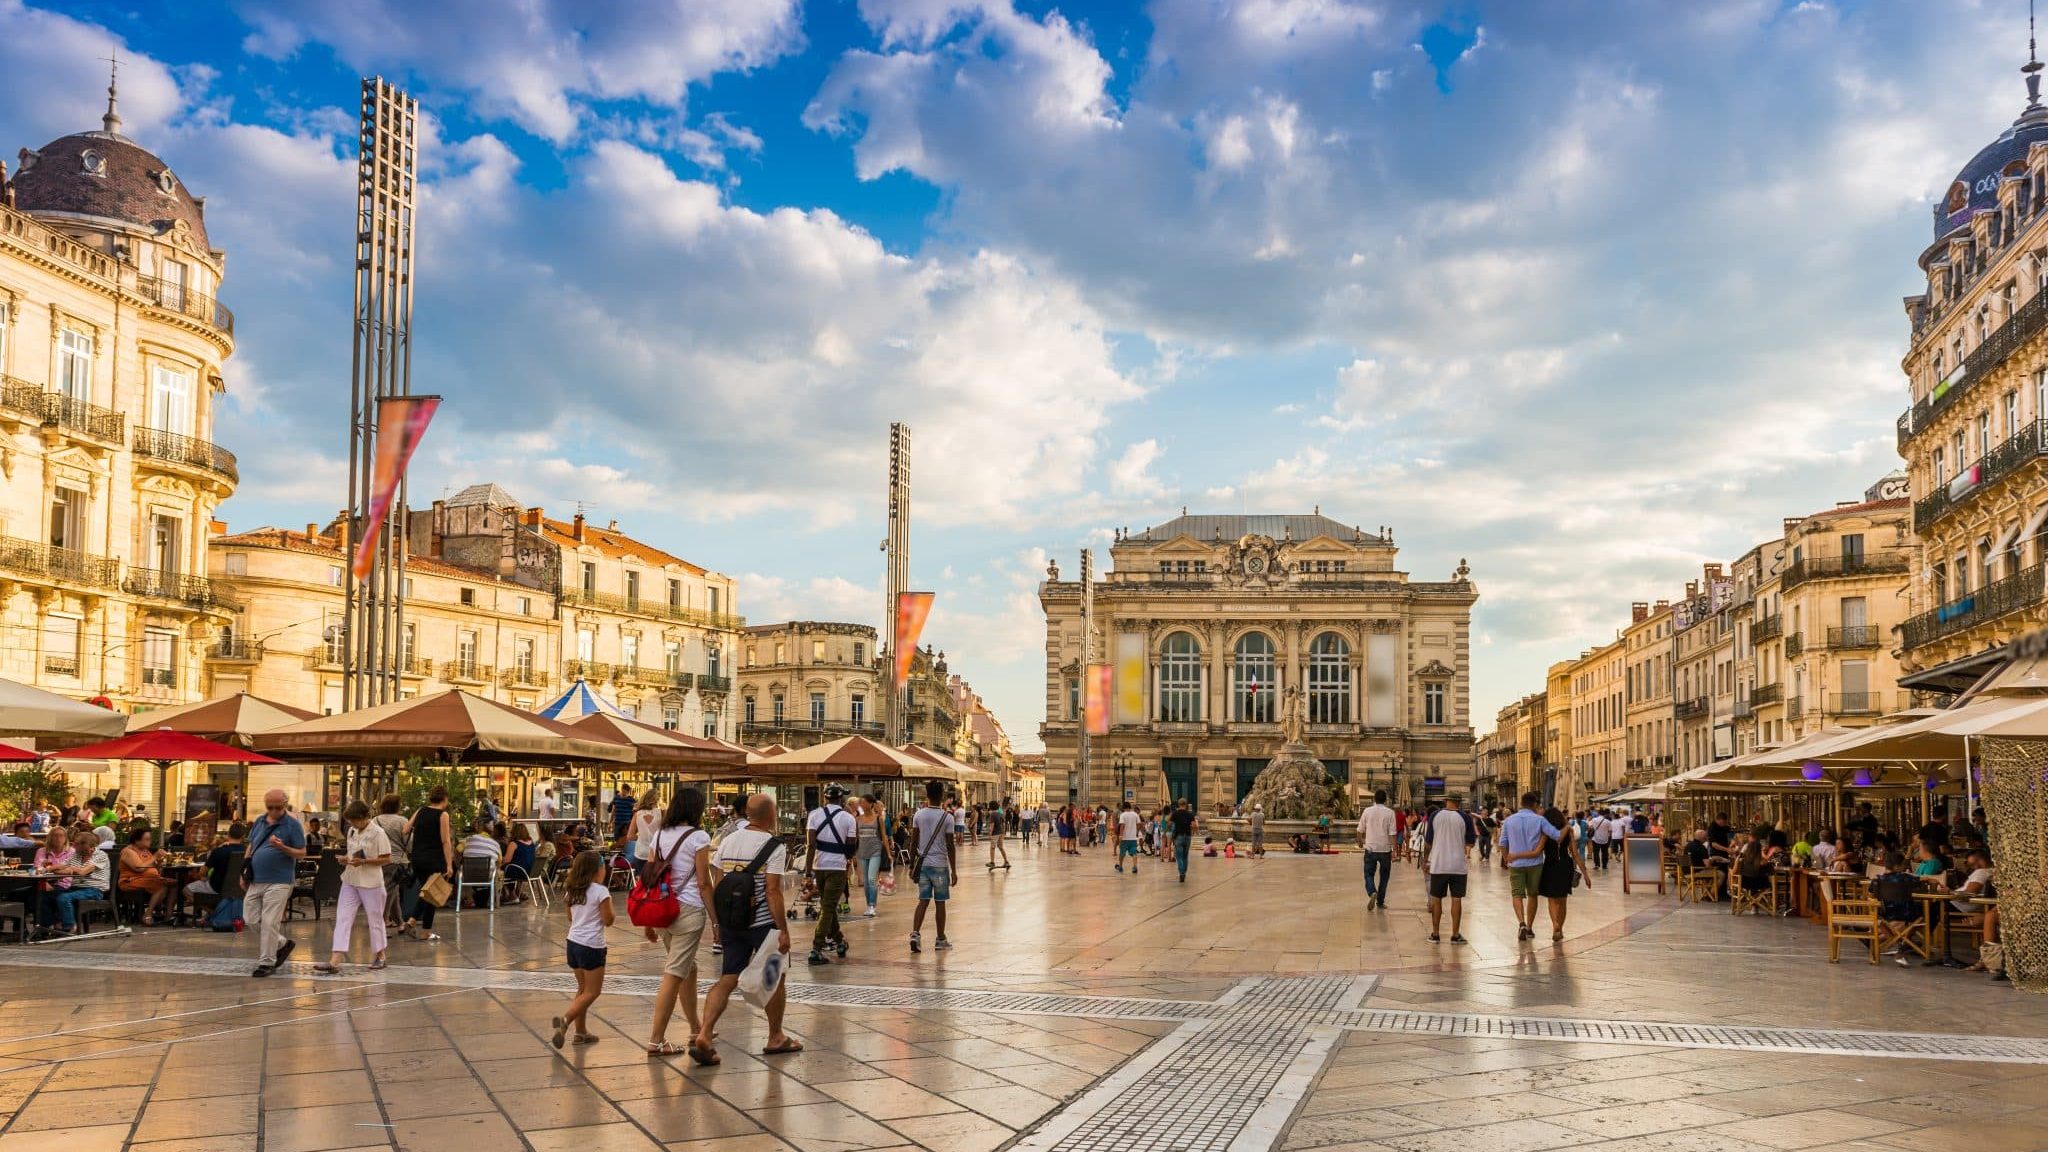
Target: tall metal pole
896	549
373	613
1081	758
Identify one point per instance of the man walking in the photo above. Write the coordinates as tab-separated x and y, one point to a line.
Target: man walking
1376	836
1447	842
998	816
1183	821
1127	823
1602	832
276	845
829	837
1521	844
742	851
934	861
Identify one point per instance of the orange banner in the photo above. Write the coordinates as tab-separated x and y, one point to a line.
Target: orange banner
401	423
911	610
1095	702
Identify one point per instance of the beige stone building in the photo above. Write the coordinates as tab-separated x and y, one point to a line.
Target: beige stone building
1703	650
651	630
1650	725
1558	746
1973	436
1224	614
111	347
809	681
1598	723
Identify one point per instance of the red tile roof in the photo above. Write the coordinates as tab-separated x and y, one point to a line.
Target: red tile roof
614	543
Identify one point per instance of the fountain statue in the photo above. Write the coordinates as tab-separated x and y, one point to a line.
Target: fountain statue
1294	784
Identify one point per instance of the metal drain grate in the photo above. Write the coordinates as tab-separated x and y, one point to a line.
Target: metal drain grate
1823	1041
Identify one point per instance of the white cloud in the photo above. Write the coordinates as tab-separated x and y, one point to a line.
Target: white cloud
1131	473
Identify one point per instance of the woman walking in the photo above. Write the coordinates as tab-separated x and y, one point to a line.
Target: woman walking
870	822
362	887
640	833
683	843
432	853
590	913
1563	865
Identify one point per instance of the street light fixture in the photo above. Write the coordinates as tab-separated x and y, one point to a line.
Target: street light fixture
1120	762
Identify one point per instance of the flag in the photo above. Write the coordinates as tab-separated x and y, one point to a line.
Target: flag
1095	703
1129	678
401	422
911	610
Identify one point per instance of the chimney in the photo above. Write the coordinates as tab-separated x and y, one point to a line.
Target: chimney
1692	589
1663	605
1638	612
312	531
1713	572
534	516
576	528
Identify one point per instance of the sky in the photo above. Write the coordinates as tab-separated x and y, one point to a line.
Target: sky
1588	292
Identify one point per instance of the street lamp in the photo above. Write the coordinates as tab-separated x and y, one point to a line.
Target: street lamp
1120	763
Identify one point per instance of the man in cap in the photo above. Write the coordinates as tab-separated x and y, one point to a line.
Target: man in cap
830	836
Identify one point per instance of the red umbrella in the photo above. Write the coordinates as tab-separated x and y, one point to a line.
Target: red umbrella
9	754
166	747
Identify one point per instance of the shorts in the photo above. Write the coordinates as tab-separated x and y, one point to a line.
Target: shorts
739	953
583	957
1442	884
681	941
1523	881
1127	847
934	883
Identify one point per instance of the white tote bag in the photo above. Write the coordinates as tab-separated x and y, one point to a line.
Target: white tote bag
763	974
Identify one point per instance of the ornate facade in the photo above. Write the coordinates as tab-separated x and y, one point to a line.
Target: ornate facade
1973	437
111	350
1218	615
809	681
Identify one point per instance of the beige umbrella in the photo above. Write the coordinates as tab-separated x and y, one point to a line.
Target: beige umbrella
956	769
233	719
849	756
54	721
659	748
452	726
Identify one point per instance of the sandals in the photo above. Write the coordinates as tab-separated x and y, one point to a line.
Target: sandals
561	1027
327	969
583	1038
666	1048
377	965
783	1049
703	1057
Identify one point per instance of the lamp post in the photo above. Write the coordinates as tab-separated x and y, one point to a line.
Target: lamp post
1120	763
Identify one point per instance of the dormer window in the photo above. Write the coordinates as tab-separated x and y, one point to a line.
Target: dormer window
95	164
166	183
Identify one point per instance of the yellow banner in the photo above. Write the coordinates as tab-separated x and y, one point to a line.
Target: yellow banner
1130	678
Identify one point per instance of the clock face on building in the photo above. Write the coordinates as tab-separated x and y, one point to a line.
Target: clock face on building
1255	564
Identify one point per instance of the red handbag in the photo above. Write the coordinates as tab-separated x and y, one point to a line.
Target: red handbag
652	903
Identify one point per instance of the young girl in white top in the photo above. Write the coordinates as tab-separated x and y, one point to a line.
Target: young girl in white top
590	913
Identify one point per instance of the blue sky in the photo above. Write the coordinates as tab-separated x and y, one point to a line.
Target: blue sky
1588	292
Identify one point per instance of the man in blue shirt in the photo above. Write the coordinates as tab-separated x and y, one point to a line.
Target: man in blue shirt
276	845
1521	843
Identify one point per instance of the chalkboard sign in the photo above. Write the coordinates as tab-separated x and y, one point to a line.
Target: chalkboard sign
1642	862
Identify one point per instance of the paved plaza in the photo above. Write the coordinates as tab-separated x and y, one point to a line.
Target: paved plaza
1256	1007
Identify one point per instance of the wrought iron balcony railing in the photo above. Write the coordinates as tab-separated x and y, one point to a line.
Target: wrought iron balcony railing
1794	645
154	585
159	677
1854	636
1796	706
56	410
172	296
2009	594
1854	703
2025	445
591	670
29	558
191	451
235	648
1764	694
1690	709
1767	628
1844	567
657	610
706	682
2026	321
467	672
529	677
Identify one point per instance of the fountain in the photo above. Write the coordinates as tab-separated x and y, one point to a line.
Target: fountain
1294	788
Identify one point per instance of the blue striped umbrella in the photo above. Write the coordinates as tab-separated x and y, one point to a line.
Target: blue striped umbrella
579	701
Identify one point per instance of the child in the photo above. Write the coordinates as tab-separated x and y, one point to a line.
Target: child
590	913
1208	846
1230	848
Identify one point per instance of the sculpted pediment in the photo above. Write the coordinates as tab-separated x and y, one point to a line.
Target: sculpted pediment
1436	670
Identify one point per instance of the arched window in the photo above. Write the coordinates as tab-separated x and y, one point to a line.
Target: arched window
1180	680
1329	680
1253	680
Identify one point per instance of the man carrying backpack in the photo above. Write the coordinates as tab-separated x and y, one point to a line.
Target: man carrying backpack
748	904
934	861
830	838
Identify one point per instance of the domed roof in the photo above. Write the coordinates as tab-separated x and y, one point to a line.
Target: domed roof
1975	188
105	174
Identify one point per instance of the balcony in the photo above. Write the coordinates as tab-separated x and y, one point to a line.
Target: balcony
706	682
58	565
235	651
189	451
591	670
1794	645
681	681
1764	694
193	591
2020	590
1844	567
641	677
526	677
2026	321
467	672
165	678
1744	709
2021	448
1691	709
1796	706
56	410
1854	703
768	732
641	606
1767	628
172	296
1854	636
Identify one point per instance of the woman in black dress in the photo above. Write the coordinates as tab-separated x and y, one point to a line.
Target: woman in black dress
1563	863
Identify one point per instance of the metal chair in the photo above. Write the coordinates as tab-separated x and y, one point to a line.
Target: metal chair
18	912
477	872
323	888
536	886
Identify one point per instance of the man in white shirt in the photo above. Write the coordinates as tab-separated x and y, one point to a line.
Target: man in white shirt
1603	831
546	807
934	860
770	919
1447	839
1127	823
831	835
1376	835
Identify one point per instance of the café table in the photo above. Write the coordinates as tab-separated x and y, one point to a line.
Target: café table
179	871
1932	901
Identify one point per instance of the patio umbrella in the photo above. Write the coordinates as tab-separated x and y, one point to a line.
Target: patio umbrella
33	714
851	756
10	754
450	727
578	701
165	747
231	719
659	747
955	769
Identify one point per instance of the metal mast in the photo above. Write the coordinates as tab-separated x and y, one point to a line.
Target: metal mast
897	562
1087	661
373	619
